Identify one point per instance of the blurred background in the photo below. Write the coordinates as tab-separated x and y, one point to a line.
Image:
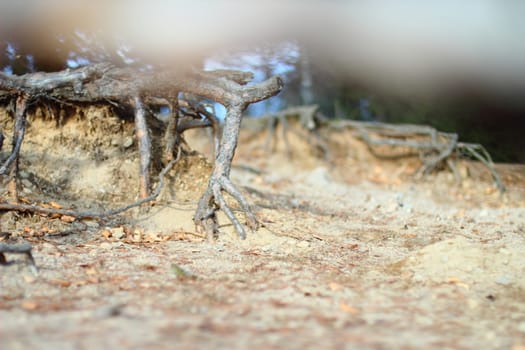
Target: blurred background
459	67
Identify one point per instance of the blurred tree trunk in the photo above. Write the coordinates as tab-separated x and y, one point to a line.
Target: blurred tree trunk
307	96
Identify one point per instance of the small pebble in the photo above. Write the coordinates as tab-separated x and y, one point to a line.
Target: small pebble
472	304
504	251
303	244
117	232
106	245
26	183
91	223
109	311
128	142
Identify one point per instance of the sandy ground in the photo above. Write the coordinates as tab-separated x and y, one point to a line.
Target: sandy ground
352	252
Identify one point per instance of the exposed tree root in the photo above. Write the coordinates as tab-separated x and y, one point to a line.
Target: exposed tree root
38	209
141	130
103	83
435	148
212	200
384	140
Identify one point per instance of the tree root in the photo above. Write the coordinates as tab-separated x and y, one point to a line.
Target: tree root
141	130
384	140
214	200
104	83
434	148
36	209
11	163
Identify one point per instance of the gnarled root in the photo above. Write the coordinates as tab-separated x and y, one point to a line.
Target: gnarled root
213	200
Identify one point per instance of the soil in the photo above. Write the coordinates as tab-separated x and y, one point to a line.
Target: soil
352	252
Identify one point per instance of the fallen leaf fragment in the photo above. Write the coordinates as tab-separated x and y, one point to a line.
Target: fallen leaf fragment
55	205
117	232
29	305
458	282
60	283
461	213
29	279
91	271
349	309
279	303
335	286
67	218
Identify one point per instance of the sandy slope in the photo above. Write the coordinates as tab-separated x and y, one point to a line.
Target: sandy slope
352	253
